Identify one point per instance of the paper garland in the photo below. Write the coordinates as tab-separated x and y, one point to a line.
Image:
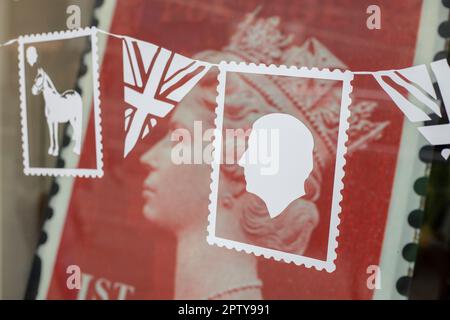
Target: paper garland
214	238
156	79
60	107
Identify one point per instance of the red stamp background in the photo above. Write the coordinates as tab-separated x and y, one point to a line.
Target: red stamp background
106	233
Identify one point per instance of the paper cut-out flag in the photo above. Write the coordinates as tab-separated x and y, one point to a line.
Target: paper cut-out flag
417	82
156	80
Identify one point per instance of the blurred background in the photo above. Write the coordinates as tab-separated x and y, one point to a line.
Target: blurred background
23	198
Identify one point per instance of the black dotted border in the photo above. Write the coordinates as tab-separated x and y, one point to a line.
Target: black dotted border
428	154
35	274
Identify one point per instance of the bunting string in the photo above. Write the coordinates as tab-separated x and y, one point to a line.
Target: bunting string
124	37
156	79
8	43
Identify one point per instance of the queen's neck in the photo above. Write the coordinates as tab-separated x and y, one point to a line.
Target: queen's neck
203	270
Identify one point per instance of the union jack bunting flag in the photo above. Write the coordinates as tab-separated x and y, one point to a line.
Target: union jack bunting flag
156	80
422	99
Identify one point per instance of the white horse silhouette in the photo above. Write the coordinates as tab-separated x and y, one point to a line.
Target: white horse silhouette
59	108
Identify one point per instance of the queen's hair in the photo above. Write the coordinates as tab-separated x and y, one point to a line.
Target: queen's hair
289	232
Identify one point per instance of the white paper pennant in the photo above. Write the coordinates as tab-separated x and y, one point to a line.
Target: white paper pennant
156	79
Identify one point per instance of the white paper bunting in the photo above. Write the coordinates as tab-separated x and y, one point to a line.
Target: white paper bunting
156	79
416	81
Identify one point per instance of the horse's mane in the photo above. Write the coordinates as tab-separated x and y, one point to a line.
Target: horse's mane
50	82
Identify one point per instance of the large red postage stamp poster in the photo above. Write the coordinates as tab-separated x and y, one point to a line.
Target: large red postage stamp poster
127	250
